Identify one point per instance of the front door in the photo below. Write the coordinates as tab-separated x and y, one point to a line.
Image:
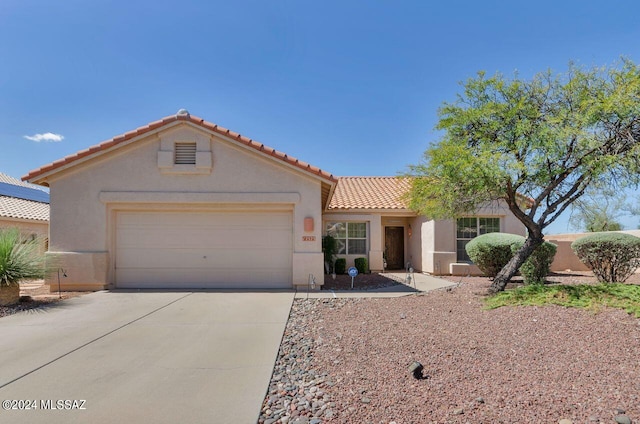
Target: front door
394	247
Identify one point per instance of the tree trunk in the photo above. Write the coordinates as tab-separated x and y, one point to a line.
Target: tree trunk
512	267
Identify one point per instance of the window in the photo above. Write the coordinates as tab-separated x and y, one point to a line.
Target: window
351	237
185	154
469	228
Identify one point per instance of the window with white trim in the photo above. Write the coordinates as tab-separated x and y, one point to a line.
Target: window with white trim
185	154
470	227
351	237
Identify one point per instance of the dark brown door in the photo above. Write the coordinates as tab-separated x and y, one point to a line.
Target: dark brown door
394	247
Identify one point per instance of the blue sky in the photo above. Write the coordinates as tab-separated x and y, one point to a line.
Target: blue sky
350	86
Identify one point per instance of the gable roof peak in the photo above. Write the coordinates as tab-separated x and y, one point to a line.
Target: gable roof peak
38	175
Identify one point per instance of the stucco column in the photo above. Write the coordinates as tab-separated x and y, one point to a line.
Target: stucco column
375	243
308	258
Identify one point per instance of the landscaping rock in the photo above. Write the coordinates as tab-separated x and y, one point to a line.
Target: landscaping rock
622	419
295	394
554	362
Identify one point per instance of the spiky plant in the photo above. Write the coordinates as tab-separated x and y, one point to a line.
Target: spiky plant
20	258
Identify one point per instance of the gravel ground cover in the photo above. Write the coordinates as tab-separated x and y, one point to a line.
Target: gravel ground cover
346	361
39	298
360	282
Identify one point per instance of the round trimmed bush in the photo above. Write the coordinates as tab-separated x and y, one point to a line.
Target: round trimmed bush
491	252
612	257
340	266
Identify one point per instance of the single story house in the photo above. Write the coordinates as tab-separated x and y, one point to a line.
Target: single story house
24	206
185	203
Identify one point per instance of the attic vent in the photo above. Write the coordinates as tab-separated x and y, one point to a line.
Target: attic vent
185	154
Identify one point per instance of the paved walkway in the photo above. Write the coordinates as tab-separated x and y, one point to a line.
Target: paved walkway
419	283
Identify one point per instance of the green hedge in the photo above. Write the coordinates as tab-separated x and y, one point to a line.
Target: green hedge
612	257
362	265
340	266
491	252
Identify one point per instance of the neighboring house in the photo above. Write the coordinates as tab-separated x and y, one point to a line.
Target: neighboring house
184	203
25	207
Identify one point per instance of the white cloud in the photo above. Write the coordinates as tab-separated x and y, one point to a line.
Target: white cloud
47	137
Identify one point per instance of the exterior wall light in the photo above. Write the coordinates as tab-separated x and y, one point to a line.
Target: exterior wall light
308	224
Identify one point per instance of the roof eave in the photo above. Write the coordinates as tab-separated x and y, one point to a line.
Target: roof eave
386	211
41	175
32	220
283	159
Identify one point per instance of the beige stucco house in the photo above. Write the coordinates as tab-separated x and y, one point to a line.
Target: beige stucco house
394	237
184	203
25	207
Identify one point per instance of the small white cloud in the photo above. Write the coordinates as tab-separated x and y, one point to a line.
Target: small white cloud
47	137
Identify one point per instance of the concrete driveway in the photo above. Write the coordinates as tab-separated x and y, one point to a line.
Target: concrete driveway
143	357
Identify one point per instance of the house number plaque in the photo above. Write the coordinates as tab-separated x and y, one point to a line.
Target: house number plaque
308	238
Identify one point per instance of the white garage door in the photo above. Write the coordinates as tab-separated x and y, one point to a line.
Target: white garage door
204	249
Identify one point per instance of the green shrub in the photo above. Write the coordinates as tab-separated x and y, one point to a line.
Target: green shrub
588	296
537	266
612	257
362	265
491	252
340	266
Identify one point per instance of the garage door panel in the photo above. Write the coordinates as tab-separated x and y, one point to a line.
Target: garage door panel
205	239
198	219
204	249
198	258
205	279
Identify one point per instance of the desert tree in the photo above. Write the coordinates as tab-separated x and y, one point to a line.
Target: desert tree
535	144
599	210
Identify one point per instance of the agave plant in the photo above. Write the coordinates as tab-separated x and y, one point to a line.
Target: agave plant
20	259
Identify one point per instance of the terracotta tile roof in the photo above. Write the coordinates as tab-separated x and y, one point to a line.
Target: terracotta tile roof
12	207
376	193
98	148
370	193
